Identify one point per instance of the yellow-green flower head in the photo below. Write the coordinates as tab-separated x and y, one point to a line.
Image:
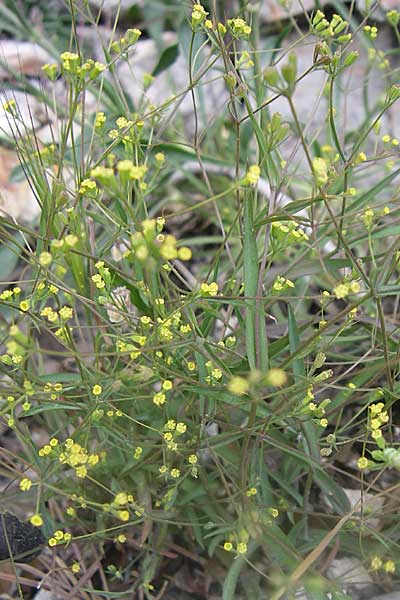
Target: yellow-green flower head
252	176
199	15
239	28
276	377
320	168
238	385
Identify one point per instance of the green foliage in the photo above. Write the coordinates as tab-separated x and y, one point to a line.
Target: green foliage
200	340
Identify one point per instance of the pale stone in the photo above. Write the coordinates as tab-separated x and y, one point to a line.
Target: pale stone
273	10
22	57
350	574
17	201
368	504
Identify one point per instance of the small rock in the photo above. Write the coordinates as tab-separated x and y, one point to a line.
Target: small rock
17	200
379	13
391	596
23	539
371	505
45	595
274	10
22	57
111	7
351	575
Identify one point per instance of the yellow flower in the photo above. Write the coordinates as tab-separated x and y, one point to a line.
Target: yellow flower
241	548
389	566
97	389
36	520
123	515
252	175
238	386
276	377
228	546
45	259
341	291
81	471
58	535
121	538
24	305
362	463
25	484
184	253
175	473
376	563
75	568
121	498
181	427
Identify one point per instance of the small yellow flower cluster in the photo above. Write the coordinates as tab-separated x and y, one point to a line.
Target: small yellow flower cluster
36	520
130	38
10	106
368	218
323	28
15	350
281	284
239	28
51	71
251	492
54	389
178	429
69	240
72	454
150	242
214	373
377	563
160	397
320	169
60	536
71	65
393	17
386	139
128	171
284	235
316	411
363	463
209	289
252	176
377	418
88	187
103	276
104	175
45	259
120	506
64	314
344	289
25	484
276	377
238	386
371	31
99	120
198	16
245	62
8	294
241	547
138	452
